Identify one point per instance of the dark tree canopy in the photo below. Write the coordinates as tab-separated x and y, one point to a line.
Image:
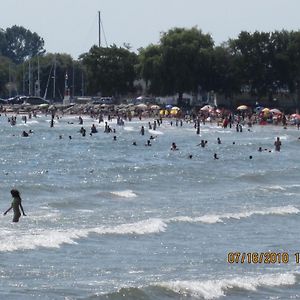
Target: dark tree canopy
110	70
178	63
19	44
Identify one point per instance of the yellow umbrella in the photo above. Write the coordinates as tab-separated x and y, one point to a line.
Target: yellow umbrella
175	108
174	112
162	112
265	110
242	107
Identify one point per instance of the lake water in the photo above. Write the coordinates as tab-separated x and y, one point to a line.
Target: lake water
109	220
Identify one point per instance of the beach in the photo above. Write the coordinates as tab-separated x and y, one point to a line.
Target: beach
107	219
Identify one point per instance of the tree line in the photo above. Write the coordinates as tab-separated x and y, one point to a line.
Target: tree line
183	61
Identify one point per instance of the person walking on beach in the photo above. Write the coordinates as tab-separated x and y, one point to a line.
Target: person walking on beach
16	205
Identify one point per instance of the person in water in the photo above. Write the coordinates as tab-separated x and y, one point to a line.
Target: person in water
277	144
174	147
16	205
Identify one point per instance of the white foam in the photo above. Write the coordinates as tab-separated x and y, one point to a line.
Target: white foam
129	128
274	188
155	132
213	289
125	194
215	218
54	238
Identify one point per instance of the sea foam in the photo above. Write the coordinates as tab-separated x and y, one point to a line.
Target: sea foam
54	238
124	194
218	218
213	289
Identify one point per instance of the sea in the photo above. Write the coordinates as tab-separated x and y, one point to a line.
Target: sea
110	220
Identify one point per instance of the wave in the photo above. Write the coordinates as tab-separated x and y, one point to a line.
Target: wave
213	289
125	194
207	289
54	238
273	188
219	218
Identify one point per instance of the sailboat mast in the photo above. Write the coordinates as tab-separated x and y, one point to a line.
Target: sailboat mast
99	21
54	75
38	80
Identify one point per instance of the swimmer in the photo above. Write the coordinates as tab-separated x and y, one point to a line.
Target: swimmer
16	205
174	146
277	144
215	156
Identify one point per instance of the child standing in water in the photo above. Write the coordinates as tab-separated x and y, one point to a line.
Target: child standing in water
16	205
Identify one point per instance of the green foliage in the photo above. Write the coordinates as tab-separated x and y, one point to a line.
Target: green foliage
178	63
110	71
7	74
20	44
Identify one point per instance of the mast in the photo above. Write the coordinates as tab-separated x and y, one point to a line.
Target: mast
99	21
9	80
38	79
54	75
29	78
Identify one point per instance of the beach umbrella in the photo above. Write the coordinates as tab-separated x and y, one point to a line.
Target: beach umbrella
175	108
142	106
295	116
242	107
206	108
155	106
169	106
174	111
265	110
275	111
43	105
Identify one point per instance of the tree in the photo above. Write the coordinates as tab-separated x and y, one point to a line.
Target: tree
224	72
7	77
294	58
263	61
150	68
110	71
178	63
20	44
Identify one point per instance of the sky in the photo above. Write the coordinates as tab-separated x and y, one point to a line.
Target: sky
71	26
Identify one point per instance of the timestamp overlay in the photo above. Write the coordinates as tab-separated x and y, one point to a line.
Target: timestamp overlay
263	258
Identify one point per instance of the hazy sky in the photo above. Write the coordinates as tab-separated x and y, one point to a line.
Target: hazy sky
71	26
